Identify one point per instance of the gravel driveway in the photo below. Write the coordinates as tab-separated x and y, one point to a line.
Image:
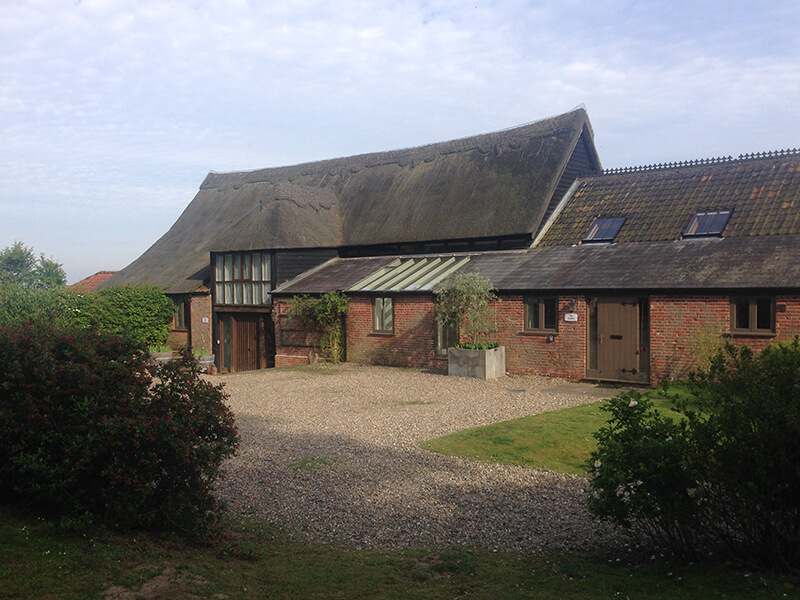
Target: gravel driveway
332	453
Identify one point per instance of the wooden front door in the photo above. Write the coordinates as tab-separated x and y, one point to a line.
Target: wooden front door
618	339
247	341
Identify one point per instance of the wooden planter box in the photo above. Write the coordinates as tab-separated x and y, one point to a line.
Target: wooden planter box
483	364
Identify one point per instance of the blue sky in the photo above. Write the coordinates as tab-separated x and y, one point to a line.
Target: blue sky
112	112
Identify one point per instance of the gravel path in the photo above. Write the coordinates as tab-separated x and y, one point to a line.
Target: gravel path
333	453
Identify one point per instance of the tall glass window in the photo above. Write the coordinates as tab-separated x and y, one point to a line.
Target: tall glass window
243	278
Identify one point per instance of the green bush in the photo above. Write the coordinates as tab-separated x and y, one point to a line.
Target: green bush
85	429
142	313
725	478
325	313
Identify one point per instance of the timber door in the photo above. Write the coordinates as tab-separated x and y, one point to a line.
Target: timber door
618	339
247	341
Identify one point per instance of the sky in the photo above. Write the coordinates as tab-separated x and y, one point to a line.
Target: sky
112	112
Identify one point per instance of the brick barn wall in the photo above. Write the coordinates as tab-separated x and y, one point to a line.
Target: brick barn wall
200	308
412	344
684	329
534	353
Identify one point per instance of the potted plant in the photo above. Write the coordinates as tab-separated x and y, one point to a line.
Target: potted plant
160	354
204	358
465	301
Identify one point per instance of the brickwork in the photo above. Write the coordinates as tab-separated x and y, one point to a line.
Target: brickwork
201	335
534	353
411	344
197	335
682	329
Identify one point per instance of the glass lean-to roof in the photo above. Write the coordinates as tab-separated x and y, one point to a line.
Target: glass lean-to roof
411	274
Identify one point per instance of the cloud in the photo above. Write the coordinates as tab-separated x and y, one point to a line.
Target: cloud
108	104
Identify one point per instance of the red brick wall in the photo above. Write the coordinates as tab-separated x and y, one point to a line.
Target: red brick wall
200	309
197	335
534	353
411	344
684	329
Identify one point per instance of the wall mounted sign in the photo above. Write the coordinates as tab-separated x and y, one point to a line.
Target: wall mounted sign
571	317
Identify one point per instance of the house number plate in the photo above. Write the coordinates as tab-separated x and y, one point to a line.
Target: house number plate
571	317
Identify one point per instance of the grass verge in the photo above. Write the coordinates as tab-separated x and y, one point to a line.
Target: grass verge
551	441
40	560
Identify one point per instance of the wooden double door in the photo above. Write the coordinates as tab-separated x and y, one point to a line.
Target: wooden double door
618	340
246	341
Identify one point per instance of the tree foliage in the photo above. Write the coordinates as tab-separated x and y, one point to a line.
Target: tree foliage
326	314
725	478
19	266
465	301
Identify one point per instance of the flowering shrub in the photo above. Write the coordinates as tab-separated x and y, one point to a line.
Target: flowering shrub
726	477
87	427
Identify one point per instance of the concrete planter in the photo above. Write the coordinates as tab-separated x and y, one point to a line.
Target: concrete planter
482	364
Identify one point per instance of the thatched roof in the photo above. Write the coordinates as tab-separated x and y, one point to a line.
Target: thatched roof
489	185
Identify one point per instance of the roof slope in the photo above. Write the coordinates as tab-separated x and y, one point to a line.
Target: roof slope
92	281
763	193
744	263
489	185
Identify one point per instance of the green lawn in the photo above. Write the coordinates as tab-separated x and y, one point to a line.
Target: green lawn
38	560
554	441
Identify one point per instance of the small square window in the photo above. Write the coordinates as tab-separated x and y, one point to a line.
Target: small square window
541	314
604	230
383	315
707	223
752	315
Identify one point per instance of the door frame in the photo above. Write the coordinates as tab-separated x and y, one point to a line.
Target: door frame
607	366
226	338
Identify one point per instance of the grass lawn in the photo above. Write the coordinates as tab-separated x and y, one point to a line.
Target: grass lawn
553	441
39	560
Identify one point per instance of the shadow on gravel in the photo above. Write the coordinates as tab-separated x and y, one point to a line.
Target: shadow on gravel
335	488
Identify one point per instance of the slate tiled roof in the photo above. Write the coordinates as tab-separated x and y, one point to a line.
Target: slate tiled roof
763	193
690	265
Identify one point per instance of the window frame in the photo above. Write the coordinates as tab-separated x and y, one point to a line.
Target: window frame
235	287
446	337
604	229
181	318
541	303
379	325
707	218
752	315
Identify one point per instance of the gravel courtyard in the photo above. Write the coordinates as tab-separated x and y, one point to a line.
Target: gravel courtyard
332	453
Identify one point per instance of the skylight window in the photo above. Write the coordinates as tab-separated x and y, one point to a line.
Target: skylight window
604	230
707	223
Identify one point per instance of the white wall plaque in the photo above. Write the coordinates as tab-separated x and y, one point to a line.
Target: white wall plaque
571	317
